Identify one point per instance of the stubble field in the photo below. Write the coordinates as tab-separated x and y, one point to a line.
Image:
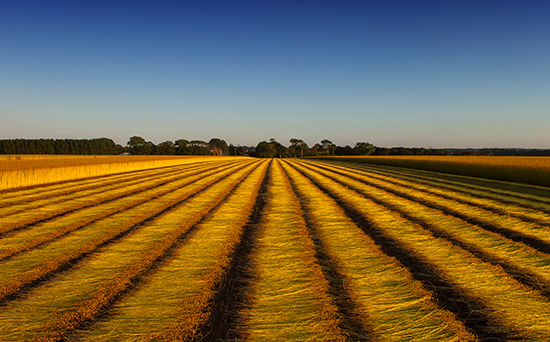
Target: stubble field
275	250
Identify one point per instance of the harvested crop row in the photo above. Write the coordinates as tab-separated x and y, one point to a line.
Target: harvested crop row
387	298
513	228
48	171
96	283
22	220
289	297
530	170
53	229
507	308
81	194
180	293
534	197
33	266
42	192
497	206
520	261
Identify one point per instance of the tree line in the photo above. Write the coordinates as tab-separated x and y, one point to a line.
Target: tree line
137	145
271	148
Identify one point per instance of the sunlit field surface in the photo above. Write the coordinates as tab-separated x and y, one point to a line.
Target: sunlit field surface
225	249
529	170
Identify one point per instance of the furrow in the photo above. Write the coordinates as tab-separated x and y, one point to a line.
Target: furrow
289	296
43	192
492	304
527	233
77	194
539	217
526	264
139	256
182	293
54	229
370	286
514	192
17	222
40	188
68	252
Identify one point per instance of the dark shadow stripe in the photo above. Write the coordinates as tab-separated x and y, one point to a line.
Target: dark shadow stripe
347	308
516	236
471	311
69	264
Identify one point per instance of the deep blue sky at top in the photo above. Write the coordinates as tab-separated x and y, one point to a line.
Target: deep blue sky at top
394	73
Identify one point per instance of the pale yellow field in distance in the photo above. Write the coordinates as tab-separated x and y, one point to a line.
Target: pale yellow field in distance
529	170
28	170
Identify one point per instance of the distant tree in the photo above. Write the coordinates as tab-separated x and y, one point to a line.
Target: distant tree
328	146
364	149
314	151
198	147
233	150
218	147
165	148
294	143
297	145
263	150
137	145
180	146
343	151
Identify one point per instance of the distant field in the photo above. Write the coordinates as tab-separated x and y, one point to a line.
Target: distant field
225	249
30	170
529	170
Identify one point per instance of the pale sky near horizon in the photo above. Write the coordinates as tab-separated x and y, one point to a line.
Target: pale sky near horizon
393	73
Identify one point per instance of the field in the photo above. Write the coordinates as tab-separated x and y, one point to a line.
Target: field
529	170
225	249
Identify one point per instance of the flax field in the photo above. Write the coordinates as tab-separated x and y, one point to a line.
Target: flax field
243	249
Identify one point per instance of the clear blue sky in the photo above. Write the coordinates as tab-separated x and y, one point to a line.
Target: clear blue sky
394	73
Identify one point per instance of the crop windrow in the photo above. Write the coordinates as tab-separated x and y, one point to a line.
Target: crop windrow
511	228
54	229
289	295
490	303
79	194
531	197
184	291
497	207
41	272
518	260
390	304
17	223
74	187
148	253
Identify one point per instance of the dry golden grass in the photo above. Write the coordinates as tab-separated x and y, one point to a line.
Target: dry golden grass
289	295
79	295
371	252
390	302
180	294
45	170
529	170
512	307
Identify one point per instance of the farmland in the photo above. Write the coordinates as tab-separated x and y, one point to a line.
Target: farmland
217	249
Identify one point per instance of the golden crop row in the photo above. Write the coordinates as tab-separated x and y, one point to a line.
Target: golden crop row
32	172
529	170
274	250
